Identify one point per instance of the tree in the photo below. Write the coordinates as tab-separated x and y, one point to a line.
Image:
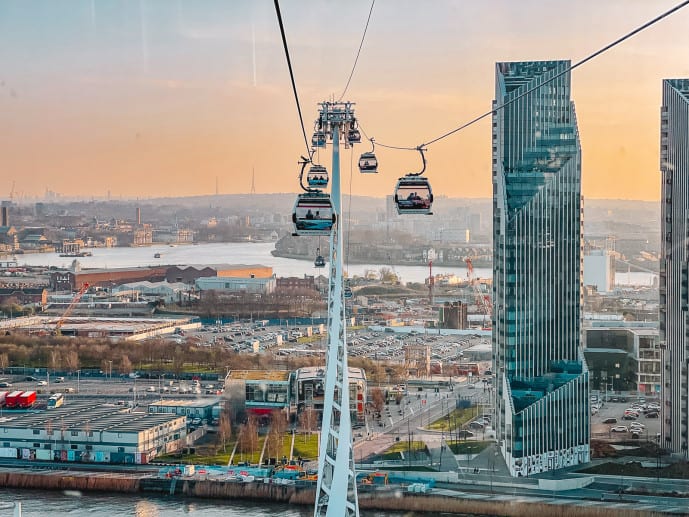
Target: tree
4	361
248	436
307	420
125	365
71	359
276	435
377	399
55	359
224	429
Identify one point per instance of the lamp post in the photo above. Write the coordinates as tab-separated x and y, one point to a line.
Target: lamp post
78	380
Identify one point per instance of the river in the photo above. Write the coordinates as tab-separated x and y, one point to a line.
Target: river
56	504
259	253
226	253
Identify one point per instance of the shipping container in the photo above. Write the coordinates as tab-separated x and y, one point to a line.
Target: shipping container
8	452
27	399
44	454
12	399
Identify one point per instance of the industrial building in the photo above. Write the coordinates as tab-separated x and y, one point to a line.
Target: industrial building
255	285
674	260
129	329
541	395
91	432
72	280
168	292
203	408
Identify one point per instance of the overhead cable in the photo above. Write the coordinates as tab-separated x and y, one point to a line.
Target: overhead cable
291	75
358	52
547	81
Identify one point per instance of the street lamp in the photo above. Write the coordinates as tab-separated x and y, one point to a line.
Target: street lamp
78	380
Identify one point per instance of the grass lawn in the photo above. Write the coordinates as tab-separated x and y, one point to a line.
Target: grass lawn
468	446
306	446
458	417
403	446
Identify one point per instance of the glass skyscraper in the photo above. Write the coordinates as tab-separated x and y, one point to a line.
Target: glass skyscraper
674	263
541	389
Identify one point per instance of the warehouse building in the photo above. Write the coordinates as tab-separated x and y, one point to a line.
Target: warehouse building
91	432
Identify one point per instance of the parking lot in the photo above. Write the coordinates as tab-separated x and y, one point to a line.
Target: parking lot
602	424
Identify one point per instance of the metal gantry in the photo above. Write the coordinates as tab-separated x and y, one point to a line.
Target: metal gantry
336	493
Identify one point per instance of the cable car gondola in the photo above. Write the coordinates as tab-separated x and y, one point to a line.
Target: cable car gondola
318	138
320	261
368	163
353	136
317	177
347	292
313	214
413	194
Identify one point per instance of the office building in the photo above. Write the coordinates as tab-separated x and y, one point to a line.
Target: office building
674	263
541	393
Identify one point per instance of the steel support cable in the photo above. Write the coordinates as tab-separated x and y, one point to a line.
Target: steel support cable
356	60
291	75
588	58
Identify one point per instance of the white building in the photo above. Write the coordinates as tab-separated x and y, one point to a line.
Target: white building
237	284
169	292
91	432
599	270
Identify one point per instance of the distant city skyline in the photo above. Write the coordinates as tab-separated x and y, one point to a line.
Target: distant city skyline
159	98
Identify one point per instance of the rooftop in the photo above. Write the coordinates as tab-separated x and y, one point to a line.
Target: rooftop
88	416
259	375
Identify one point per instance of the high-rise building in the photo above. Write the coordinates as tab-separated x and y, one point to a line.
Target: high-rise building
674	263
541	389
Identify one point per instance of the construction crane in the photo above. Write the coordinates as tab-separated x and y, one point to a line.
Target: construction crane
483	300
84	287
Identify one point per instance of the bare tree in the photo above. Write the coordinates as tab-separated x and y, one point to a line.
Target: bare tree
4	361
276	435
307	421
248	436
224	429
125	365
55	359
377	399
71	359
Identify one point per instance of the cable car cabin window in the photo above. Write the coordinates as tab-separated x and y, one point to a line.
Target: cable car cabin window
354	136
413	196
313	215
368	163
318	139
317	177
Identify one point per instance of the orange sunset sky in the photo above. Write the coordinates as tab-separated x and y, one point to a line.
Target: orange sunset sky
148	98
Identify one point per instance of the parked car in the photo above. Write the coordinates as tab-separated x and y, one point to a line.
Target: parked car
31	378
610	421
630	417
59	379
465	434
42	383
619	429
652	414
151	389
5	384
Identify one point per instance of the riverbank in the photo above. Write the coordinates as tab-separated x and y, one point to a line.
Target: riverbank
389	499
393	262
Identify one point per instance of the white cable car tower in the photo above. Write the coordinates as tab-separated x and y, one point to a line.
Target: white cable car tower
336	493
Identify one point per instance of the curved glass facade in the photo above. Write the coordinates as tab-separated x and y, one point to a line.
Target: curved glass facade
541	396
